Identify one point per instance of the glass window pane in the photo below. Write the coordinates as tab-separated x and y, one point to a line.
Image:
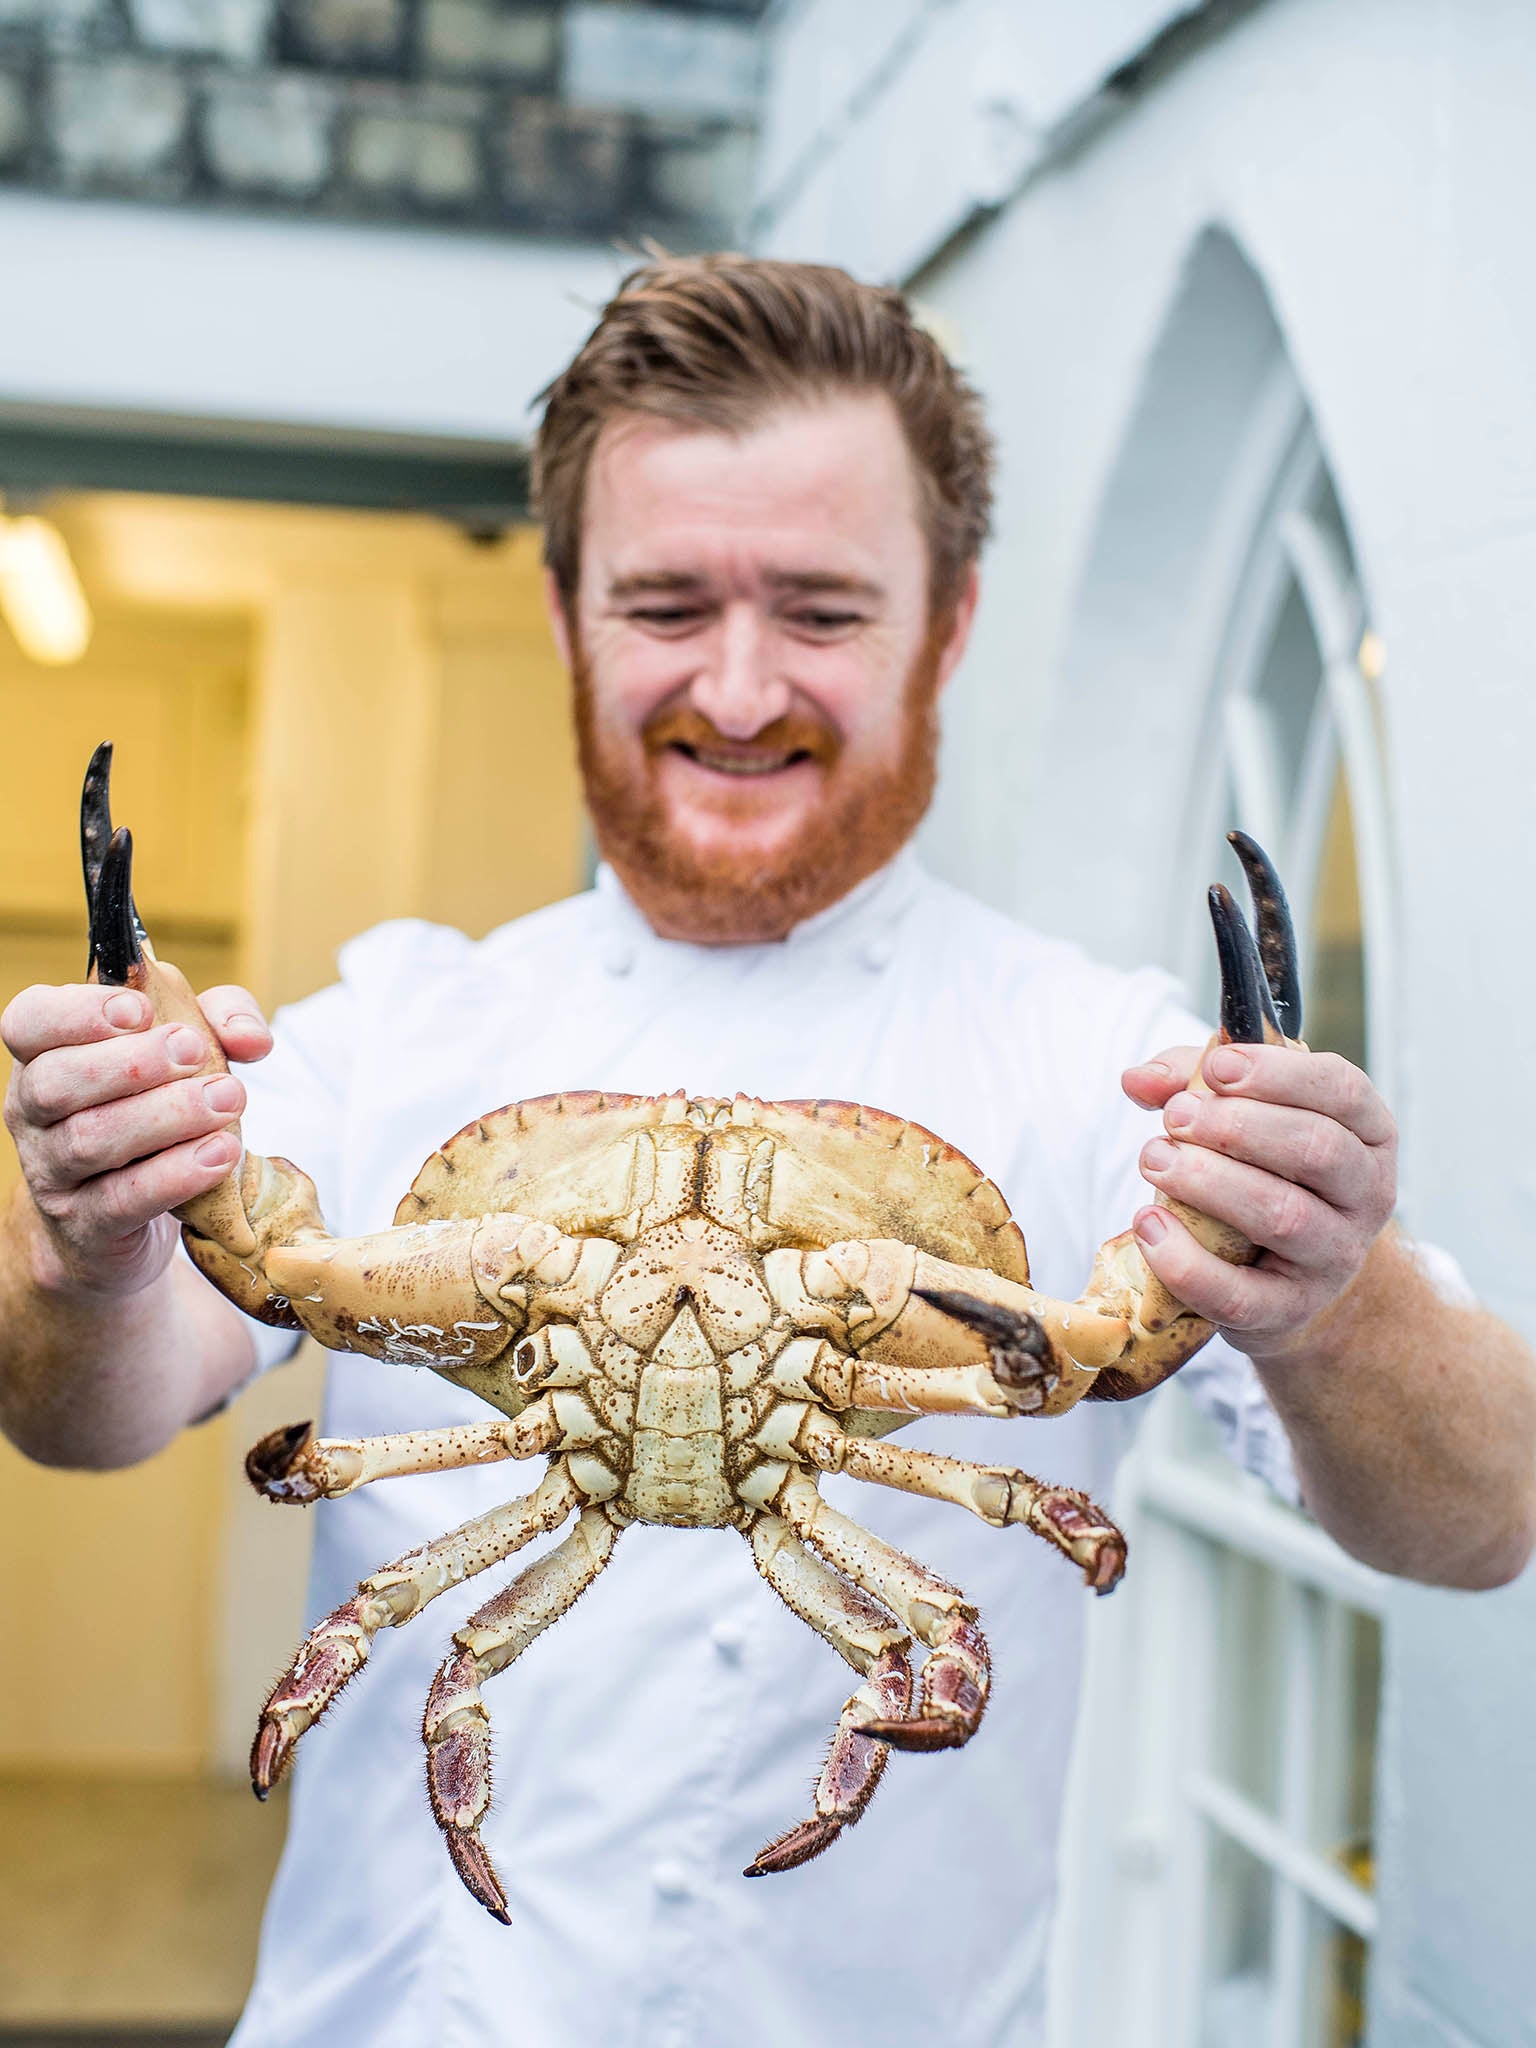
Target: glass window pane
1246	1732
1335	996
1239	1908
1288	683
1345	1737
1337	1965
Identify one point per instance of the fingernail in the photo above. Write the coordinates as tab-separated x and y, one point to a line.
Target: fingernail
1153	1067
244	1021
218	1151
1227	1064
1158	1157
186	1047
1180	1113
223	1094
1151	1226
125	1012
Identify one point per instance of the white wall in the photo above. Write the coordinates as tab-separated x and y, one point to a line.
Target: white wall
1373	159
118	309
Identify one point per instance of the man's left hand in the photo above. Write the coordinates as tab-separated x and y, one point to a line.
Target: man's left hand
1296	1150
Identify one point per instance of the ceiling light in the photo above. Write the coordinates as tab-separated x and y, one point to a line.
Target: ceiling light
40	593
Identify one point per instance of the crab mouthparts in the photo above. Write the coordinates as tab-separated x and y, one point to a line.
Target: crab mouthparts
741	761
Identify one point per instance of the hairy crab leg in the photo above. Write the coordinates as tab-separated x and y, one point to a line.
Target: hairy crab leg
337	1648
957	1671
999	1494
294	1465
456	1727
865	1636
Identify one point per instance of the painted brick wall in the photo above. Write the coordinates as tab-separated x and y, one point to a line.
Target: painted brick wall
595	117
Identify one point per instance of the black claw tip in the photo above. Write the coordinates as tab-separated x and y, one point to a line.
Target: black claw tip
1020	1344
96	843
116	933
1245	998
997	1325
95	831
1276	933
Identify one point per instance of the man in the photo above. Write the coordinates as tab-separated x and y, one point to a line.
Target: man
764	493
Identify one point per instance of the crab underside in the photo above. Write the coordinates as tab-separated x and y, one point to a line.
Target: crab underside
692	1309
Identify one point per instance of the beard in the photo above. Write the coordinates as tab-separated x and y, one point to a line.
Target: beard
744	895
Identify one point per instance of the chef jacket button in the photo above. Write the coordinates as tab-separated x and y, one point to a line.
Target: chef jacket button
672	1881
730	1639
619	959
876	954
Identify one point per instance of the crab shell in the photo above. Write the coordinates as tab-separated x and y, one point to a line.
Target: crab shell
783	1175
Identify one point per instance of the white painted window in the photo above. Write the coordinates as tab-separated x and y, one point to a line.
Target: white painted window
1225	1790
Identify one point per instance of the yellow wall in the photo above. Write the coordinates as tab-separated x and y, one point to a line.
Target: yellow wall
321	719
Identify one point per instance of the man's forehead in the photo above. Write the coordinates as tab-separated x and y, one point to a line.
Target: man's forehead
820	495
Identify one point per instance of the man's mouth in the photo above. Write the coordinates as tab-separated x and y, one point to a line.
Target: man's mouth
724	760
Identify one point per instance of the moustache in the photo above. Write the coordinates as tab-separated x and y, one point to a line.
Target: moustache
797	736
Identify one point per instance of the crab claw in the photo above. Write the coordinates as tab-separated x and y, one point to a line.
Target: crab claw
1019	1343
116	936
1246	1005
472	1861
116	931
122	957
1276	931
277	1465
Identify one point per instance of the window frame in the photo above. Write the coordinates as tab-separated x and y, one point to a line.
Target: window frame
1162	1804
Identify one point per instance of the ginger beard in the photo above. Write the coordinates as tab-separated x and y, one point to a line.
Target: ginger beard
865	812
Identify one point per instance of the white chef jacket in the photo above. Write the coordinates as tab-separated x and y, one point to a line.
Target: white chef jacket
674	1721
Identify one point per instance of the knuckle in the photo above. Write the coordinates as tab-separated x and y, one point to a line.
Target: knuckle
44	1090
1344	1082
119	1201
22	1016
75	1148
1324	1147
1231	1304
55	1204
1287	1213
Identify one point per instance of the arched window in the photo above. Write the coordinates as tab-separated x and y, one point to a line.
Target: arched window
1221	1820
1292	722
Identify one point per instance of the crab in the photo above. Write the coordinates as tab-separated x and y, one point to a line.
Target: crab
692	1308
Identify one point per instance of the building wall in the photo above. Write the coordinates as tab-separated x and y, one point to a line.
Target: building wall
563	118
321	720
1368	160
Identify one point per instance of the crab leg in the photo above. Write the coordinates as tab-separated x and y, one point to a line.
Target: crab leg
957	1671
337	1648
295	1465
999	1494
866	1637
817	1371
456	1727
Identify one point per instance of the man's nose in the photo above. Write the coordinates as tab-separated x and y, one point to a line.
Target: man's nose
739	688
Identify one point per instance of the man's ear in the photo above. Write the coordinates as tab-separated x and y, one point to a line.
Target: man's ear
962	617
559	623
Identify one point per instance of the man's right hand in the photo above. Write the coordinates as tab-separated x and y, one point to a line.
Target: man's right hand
114	1128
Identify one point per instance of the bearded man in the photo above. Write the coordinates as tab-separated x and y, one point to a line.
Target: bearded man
765	492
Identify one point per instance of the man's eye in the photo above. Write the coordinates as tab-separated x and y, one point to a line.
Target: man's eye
825	621
666	614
